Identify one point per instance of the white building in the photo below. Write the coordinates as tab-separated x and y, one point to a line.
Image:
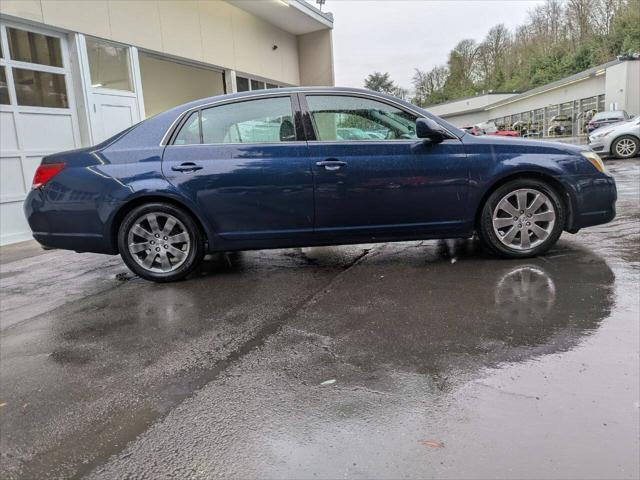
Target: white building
74	72
612	86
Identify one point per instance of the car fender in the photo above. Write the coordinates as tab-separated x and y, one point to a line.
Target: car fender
151	190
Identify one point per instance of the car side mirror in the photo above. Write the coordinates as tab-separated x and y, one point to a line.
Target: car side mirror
427	128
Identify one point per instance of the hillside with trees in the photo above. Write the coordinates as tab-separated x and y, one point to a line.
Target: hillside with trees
559	38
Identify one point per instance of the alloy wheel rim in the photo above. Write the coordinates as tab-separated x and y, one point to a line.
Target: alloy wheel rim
625	147
159	242
523	219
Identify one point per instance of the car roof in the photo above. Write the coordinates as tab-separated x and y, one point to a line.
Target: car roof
619	113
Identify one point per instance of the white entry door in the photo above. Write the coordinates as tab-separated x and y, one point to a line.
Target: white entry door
112	92
112	114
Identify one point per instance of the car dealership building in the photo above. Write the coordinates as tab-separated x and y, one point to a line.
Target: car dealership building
75	72
568	103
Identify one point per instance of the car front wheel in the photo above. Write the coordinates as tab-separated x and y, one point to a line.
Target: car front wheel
625	147
522	218
160	242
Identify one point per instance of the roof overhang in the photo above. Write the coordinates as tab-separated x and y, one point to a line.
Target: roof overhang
294	16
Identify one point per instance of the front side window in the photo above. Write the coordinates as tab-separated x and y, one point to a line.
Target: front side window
268	120
343	118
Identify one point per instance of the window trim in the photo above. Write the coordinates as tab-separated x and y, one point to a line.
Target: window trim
309	123
314	128
183	118
303	111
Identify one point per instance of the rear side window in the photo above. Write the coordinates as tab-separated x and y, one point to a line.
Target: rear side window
189	134
267	120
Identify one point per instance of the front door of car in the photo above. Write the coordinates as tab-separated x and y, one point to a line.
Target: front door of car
373	175
244	167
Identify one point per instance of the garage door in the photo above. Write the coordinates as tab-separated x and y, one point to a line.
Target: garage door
37	115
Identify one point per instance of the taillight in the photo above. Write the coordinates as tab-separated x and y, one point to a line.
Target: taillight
46	172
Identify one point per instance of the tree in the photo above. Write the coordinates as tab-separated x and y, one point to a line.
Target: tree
491	57
559	38
462	70
380	82
400	92
427	86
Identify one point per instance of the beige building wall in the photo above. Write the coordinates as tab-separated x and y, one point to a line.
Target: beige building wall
316	58
210	31
623	87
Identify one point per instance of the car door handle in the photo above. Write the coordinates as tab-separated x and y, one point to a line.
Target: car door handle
186	167
331	164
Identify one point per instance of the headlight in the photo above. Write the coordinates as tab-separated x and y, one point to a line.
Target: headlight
595	160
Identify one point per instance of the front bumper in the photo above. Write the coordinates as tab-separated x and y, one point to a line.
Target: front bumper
599	145
593	199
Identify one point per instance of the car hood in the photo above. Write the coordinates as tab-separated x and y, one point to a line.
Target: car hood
611	127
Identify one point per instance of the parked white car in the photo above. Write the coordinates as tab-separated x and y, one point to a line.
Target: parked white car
621	140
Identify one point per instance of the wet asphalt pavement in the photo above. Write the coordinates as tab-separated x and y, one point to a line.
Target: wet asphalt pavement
409	360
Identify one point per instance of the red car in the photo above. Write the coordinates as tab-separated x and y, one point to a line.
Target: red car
505	133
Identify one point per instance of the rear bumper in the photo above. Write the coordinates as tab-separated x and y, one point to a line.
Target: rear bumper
65	225
593	201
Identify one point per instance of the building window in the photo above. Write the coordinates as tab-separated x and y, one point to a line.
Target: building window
257	85
40	89
33	64
4	88
109	65
31	47
244	84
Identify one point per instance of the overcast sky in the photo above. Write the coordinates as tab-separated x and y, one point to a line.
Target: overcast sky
397	36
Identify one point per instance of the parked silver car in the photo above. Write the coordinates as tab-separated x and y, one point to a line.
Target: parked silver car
621	140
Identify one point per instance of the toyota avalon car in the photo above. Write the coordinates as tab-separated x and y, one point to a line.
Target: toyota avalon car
272	169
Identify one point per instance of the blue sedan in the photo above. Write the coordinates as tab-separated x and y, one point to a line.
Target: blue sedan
299	167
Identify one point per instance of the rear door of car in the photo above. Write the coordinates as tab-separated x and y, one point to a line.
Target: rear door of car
245	165
386	180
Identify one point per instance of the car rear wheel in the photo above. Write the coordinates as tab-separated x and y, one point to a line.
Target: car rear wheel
160	242
625	147
522	218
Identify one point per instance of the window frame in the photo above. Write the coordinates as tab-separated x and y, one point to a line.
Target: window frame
310	131
9	64
184	118
130	66
251	78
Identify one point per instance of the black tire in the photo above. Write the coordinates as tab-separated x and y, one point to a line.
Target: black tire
635	145
194	251
488	236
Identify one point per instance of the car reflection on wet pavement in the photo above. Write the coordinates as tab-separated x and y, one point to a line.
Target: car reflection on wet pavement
417	359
